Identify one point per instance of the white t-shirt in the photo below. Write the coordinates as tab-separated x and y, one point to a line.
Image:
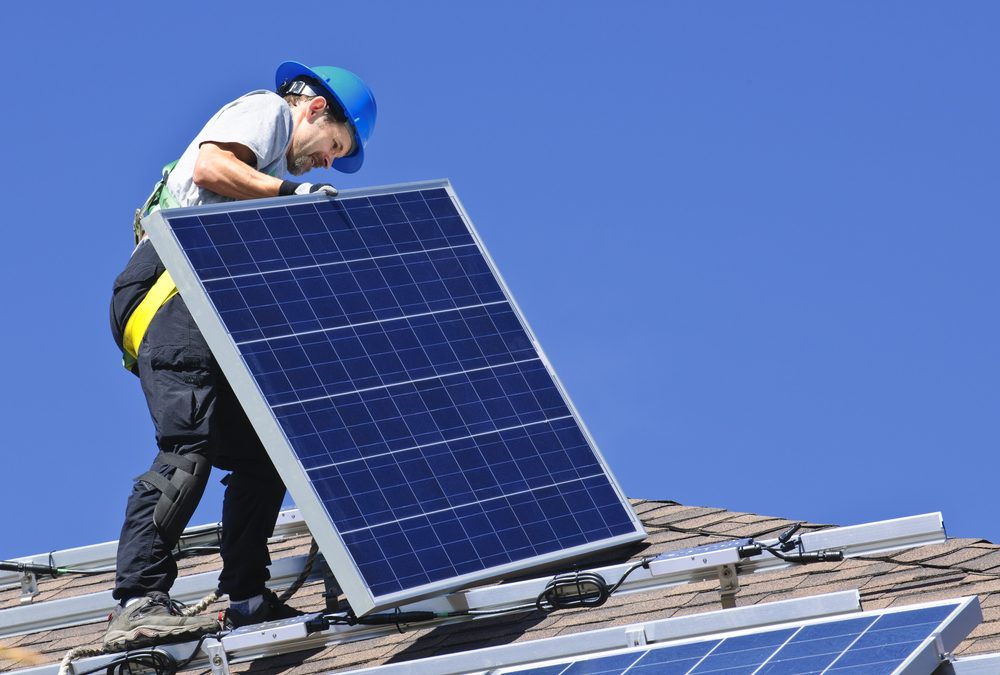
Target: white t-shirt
260	120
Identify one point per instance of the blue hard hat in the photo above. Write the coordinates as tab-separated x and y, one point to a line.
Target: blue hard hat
353	95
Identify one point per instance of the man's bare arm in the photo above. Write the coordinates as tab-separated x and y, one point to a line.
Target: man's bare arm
227	169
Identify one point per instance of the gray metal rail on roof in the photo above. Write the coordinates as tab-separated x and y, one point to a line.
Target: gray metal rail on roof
283	637
853	541
984	664
663	571
92	607
97	556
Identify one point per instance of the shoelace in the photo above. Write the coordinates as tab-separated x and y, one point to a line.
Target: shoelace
175	607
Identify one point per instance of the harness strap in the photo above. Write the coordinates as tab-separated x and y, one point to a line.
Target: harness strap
160	483
163	289
142	316
160	197
179	461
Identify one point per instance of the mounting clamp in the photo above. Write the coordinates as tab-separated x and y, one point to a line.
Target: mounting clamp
217	659
729	585
29	587
635	636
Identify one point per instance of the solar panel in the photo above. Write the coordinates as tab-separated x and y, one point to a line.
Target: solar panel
396	386
886	642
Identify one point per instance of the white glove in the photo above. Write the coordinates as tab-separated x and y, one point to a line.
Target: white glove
290	187
308	188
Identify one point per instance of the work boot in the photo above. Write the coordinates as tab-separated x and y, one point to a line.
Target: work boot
271	609
153	620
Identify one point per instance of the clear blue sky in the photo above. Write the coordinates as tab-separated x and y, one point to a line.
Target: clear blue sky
759	241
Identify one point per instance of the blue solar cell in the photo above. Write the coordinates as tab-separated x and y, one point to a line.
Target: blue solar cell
673	660
843	646
404	382
917	617
611	664
743	654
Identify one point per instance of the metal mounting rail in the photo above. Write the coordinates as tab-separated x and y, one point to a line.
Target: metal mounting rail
712	562
92	607
668	569
97	556
984	664
283	637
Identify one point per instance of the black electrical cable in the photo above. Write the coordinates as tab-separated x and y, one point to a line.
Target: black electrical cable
194	652
160	662
156	660
786	544
53	571
783	538
152	659
582	589
195	550
642	563
576	589
50	570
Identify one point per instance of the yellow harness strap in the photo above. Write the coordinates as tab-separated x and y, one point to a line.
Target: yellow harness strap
138	323
162	290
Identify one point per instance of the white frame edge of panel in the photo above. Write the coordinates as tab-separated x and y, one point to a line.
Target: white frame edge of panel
592	643
924	659
287	464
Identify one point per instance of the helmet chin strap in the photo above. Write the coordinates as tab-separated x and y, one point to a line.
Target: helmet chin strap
297	87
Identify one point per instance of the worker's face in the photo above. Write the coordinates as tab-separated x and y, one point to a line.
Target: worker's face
317	140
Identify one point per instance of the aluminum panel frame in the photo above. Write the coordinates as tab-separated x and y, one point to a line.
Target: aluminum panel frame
228	356
923	659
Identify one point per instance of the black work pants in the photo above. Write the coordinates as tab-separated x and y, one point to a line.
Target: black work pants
195	412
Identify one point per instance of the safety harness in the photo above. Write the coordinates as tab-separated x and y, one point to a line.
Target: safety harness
162	290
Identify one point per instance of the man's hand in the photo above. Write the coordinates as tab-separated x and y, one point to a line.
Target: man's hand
307	188
290	187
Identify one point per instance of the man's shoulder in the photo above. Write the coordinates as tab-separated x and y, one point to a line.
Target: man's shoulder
260	114
263	99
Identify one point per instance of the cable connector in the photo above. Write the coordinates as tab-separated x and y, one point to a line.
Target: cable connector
578	589
390	619
783	539
317	624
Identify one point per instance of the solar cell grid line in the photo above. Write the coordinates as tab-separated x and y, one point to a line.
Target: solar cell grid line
397	387
900	641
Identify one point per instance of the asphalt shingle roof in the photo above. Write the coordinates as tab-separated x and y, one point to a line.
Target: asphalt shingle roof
956	568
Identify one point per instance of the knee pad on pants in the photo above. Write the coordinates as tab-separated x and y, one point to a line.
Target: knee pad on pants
179	494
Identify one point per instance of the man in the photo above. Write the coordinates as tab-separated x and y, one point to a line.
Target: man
321	117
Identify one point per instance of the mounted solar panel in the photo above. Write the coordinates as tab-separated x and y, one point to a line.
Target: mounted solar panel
905	641
396	386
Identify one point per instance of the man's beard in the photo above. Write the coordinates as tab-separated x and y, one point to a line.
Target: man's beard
300	165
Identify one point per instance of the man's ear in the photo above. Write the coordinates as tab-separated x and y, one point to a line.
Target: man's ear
317	105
